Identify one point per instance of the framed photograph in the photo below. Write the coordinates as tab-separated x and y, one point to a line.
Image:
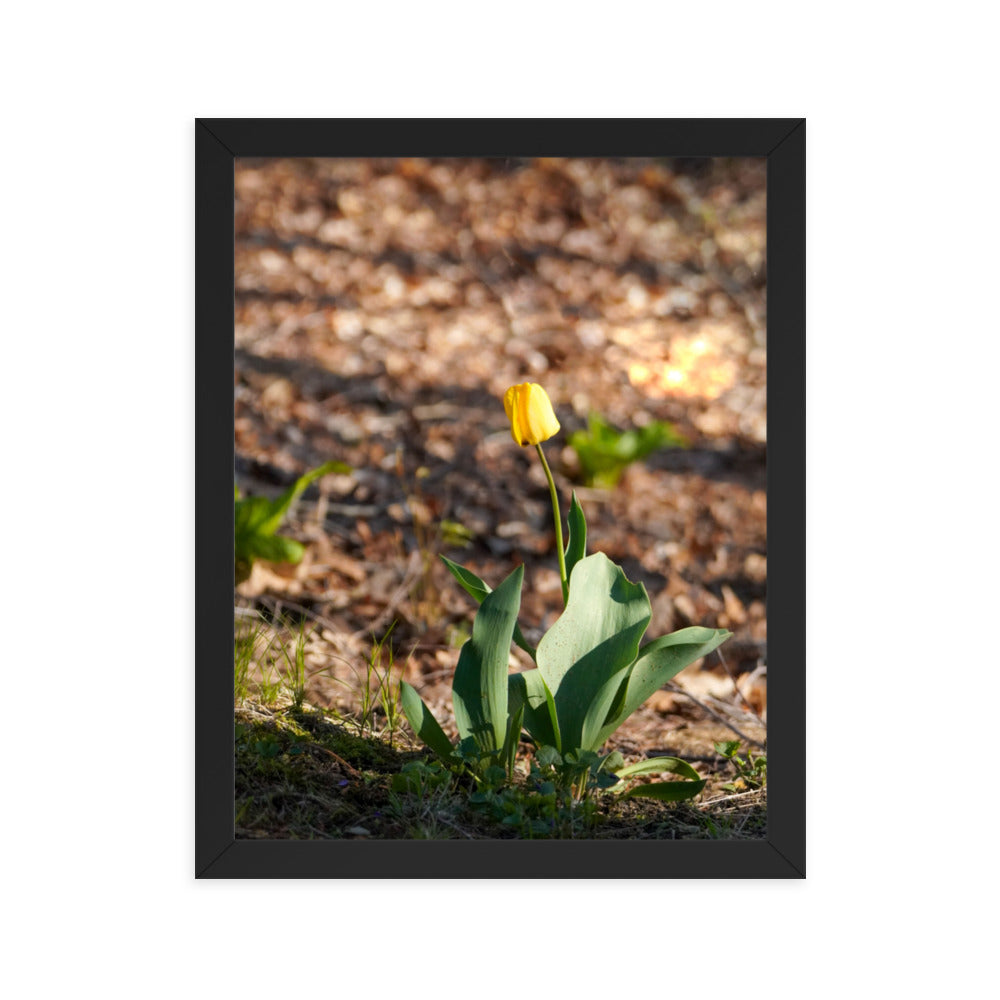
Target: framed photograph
514	571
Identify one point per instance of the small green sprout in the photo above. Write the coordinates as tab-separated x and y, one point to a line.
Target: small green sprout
604	452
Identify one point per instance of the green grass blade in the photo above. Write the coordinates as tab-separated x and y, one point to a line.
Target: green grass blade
422	722
479	690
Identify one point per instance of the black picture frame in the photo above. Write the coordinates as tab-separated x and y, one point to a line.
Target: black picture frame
218	142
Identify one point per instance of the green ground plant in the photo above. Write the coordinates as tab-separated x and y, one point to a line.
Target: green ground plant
256	674
257	520
751	771
294	674
604	452
270	661
377	688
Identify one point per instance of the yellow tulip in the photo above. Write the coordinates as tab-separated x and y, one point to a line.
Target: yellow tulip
529	410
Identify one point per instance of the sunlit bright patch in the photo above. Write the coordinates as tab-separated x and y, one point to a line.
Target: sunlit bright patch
695	369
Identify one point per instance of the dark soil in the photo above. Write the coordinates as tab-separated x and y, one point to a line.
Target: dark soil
301	776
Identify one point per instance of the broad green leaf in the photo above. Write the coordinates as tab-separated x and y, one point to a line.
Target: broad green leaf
527	688
517	691
479	690
250	513
605	452
550	704
471	584
477	589
594	639
576	535
655	765
256	519
666	791
422	722
494	775
273	548
469	750
727	748
619	684
548	757
280	506
657	663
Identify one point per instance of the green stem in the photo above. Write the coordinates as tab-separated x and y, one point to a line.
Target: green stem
558	519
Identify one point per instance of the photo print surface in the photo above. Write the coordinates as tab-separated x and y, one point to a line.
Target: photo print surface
501	498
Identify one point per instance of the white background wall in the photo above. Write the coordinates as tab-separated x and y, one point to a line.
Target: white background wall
98	353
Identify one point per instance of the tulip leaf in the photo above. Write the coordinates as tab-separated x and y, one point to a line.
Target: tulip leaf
513	737
650	765
422	722
479	690
657	663
471	584
595	639
666	791
529	689
477	589
550	704
576	535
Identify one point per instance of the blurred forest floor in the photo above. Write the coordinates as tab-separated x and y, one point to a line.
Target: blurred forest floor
382	309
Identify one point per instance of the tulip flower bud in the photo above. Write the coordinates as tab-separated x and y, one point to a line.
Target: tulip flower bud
529	410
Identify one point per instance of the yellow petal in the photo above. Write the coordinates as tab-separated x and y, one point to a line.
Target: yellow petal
532	419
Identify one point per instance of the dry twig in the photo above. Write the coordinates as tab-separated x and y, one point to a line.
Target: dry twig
718	718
